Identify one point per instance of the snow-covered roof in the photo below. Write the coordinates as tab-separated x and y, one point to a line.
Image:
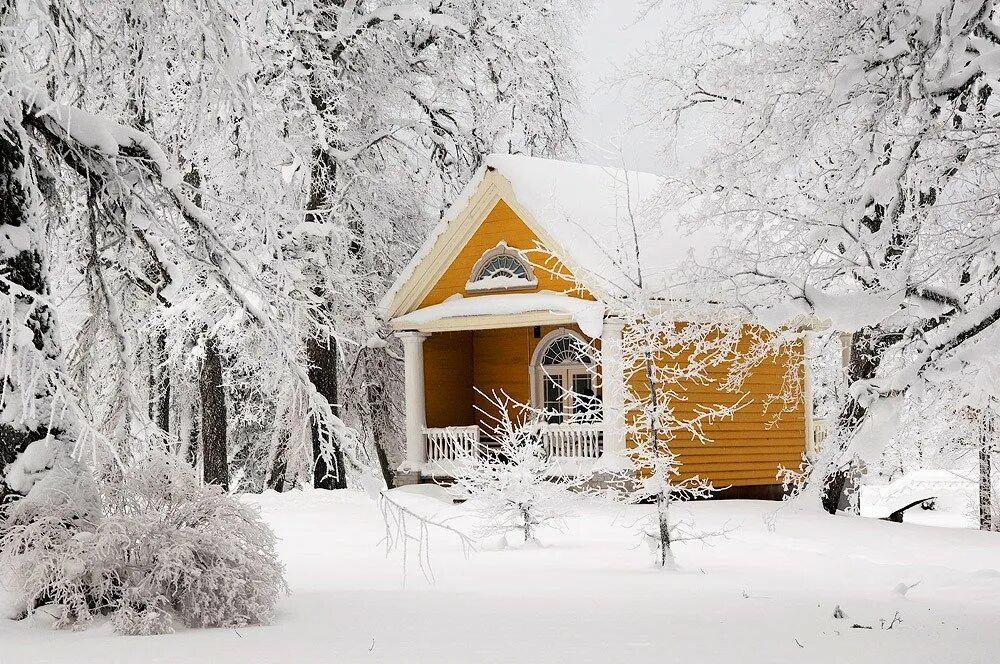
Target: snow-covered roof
592	217
589	315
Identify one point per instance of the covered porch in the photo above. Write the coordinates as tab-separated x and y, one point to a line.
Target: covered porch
540	361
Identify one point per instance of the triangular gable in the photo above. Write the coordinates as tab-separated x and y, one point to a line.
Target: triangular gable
502	224
445	245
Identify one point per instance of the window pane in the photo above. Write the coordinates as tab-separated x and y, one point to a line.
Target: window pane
586	406
552	398
504	265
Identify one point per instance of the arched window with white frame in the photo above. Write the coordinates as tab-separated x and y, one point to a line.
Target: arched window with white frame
502	268
562	379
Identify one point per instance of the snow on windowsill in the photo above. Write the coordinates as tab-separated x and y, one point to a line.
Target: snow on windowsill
589	315
501	283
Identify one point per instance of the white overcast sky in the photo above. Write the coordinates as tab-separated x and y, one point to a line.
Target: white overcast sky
609	129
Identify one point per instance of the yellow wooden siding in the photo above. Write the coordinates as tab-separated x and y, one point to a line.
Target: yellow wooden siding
448	379
748	448
502	224
745	450
501	360
501	363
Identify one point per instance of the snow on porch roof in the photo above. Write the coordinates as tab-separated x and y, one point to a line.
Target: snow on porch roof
589	315
591	217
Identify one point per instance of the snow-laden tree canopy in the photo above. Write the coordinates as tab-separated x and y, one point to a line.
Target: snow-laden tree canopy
856	170
204	198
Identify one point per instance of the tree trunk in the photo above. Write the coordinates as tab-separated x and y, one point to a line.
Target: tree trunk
867	348
985	470
276	477
213	417
23	266
663	523
376	410
328	464
159	384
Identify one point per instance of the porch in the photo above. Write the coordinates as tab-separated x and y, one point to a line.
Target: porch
451	374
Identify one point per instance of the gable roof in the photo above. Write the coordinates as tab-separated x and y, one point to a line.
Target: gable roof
591	217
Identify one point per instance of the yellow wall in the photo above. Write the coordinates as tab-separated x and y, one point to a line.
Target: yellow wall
448	379
747	448
501	362
501	224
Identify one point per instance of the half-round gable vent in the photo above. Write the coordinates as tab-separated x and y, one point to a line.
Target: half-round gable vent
502	268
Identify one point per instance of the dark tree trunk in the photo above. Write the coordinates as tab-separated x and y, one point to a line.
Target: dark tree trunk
213	418
376	406
276	478
159	384
328	469
192	446
867	348
986	470
24	267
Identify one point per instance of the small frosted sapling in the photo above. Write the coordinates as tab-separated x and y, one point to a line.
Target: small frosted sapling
509	484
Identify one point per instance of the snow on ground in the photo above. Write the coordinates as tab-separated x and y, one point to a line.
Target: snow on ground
956	498
765	593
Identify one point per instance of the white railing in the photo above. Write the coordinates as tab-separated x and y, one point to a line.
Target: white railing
572	440
561	440
452	443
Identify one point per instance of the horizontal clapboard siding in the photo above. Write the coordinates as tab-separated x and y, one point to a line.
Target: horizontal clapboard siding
748	448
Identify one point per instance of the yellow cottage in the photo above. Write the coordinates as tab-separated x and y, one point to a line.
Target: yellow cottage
480	309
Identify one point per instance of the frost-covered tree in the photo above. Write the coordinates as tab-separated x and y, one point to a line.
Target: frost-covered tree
854	170
663	359
510	485
394	105
106	198
673	344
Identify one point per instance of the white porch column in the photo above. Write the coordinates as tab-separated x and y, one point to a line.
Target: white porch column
613	381
416	416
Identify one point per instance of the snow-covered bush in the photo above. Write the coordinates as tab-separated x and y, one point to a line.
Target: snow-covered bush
47	478
165	548
509	486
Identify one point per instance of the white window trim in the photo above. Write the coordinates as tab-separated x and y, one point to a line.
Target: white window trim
536	369
475	280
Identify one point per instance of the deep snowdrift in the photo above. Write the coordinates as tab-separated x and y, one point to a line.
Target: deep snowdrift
765	593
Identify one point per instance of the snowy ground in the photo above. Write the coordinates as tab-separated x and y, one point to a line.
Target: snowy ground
766	593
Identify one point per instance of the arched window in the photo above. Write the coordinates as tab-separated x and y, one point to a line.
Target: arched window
562	377
565	349
502	268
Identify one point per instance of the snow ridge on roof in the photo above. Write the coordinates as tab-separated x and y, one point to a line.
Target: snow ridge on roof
607	223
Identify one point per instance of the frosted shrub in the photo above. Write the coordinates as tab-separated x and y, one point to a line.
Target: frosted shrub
165	549
510	487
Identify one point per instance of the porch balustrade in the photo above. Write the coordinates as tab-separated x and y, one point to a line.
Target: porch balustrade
560	440
573	440
452	443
